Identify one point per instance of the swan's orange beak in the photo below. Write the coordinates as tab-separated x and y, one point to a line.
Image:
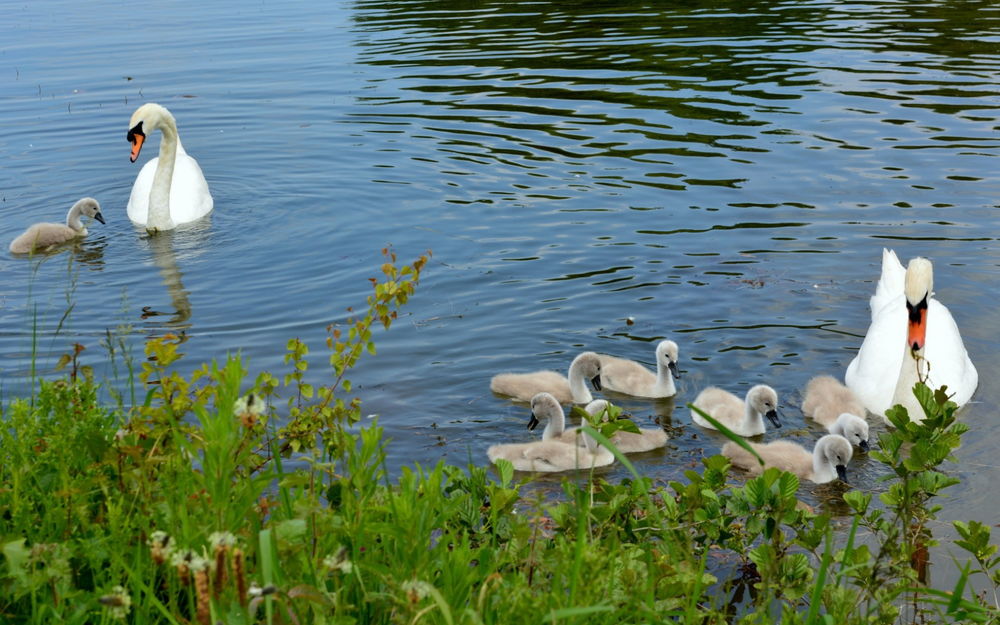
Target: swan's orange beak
137	139
917	326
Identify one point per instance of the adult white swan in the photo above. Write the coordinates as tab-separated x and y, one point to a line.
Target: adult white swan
909	329
170	189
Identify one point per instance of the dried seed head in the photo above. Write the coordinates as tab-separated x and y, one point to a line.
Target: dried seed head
186	561
199	563
203	612
339	561
416	590
239	572
221	539
220	571
118	602
161	546
249	408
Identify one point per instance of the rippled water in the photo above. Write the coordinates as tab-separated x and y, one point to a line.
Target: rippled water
723	175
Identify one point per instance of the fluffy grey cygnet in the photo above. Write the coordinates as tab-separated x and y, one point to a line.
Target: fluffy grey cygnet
837	408
853	428
826	399
745	418
631	378
551	454
827	462
524	386
44	235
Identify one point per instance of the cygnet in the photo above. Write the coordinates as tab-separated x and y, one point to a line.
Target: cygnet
551	454
826	399
546	406
745	418
836	408
631	378
827	462
44	235
524	386
853	428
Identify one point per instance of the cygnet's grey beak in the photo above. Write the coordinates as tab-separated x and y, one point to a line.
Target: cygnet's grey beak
864	446
99	217
533	422
596	381
673	370
772	416
842	473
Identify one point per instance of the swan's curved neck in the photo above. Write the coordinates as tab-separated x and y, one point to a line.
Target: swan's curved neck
913	370
578	386
159	194
73	220
664	378
754	421
822	471
556	425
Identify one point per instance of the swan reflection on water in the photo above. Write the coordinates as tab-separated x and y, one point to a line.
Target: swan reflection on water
164	247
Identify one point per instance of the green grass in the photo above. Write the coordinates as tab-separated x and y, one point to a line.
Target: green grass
185	509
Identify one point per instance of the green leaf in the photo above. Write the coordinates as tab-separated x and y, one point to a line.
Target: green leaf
17	559
788	485
858	501
757	492
506	470
291	529
898	416
565	613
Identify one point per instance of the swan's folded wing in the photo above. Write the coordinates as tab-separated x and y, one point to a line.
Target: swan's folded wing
646	439
625	376
873	373
890	284
742	458
946	354
524	386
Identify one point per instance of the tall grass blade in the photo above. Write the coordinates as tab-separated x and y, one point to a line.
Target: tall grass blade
812	618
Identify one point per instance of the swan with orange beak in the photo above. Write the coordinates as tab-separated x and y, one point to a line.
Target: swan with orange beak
170	189
912	338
